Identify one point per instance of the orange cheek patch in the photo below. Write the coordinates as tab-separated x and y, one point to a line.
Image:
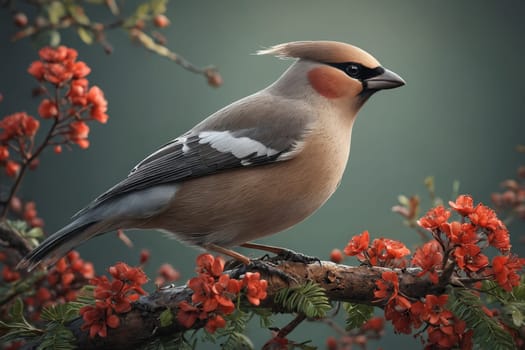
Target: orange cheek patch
329	82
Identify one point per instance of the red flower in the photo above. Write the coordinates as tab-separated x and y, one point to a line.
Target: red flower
375	324
464	205
95	96
18	125
78	92
214	323
4	153
402	319
144	257
161	21
37	70
210	265
459	233
202	292
387	252
357	244
447	336
133	276
187	314
48	109
434	311
166	273
12	168
434	218
78	133
97	317
505	270
80	70
430	258
255	287
387	286
112	296
10	275
469	257
484	217
336	256
500	239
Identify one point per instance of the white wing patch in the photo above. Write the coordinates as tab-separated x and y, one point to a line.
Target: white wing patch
240	147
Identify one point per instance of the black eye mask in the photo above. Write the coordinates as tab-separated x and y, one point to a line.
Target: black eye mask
358	71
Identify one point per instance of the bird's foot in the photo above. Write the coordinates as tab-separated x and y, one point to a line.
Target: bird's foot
290	255
266	267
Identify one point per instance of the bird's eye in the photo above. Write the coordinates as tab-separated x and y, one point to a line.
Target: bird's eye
352	70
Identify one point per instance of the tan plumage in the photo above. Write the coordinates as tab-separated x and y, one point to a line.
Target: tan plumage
254	168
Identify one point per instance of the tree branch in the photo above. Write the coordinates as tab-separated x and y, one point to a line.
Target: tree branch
341	283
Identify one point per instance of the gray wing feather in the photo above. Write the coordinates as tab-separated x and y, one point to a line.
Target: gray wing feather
189	157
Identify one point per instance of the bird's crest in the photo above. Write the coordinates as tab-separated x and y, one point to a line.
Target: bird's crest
321	51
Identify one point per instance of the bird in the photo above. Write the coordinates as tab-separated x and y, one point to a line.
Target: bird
254	168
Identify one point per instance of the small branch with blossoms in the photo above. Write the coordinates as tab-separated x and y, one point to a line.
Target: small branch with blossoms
46	20
68	103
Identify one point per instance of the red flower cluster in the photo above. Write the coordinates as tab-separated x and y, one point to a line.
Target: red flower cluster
458	248
16	130
214	292
26	211
67	105
112	297
465	241
60	67
382	251
443	328
62	283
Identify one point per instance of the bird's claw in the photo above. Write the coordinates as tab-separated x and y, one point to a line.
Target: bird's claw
292	256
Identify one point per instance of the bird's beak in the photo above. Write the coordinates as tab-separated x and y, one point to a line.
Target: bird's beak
386	80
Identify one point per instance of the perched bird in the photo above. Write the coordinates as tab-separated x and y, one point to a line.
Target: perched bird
252	169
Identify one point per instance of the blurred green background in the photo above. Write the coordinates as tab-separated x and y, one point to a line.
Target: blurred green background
459	117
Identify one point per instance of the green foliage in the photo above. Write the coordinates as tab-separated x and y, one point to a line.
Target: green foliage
309	299
17	327
166	318
488	334
146	11
512	304
176	342
232	336
33	235
358	314
265	316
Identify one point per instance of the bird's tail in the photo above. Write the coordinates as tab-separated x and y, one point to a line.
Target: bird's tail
59	244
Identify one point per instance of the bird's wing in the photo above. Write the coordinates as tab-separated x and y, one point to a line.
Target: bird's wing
240	135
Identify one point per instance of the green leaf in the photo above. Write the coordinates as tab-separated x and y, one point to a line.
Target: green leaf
517	317
234	332
35	232
16	313
142	11
60	312
358	314
85	35
55	12
78	14
488	334
265	316
309	299
158	6
174	342
58	337
403	200
166	317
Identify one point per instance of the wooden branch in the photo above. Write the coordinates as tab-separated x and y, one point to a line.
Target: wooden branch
341	282
10	239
